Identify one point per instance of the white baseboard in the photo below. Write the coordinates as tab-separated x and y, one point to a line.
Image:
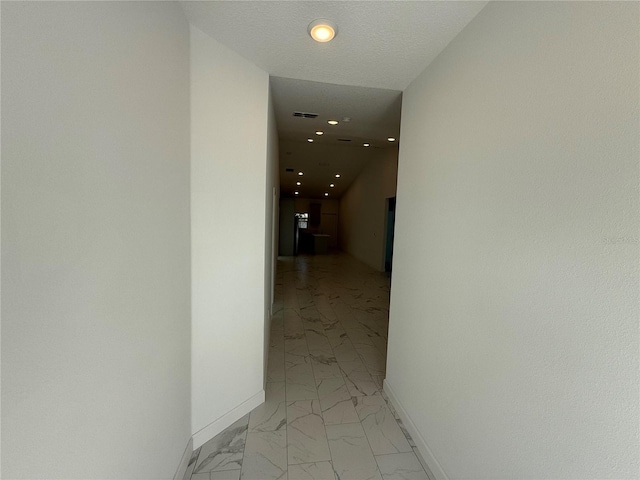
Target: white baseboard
226	420
421	445
184	461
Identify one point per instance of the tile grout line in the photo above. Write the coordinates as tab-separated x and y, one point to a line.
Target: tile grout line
286	415
358	415
284	369
313	369
345	382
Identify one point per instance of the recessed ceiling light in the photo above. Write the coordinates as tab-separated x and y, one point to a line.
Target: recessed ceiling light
366	145
326	194
337	175
310	140
296	193
332	185
319	133
332	122
298	183
391	139
322	30
300	173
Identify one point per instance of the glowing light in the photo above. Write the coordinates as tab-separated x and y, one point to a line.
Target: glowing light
322	30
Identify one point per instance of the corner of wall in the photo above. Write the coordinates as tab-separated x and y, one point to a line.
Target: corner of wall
214	428
184	461
230	237
428	459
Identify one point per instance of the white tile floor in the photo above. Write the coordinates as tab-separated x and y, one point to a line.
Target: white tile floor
325	416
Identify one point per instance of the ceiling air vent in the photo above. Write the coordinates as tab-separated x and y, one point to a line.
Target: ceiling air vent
344	139
289	170
305	115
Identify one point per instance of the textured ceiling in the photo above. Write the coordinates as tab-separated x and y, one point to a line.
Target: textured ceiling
381	44
374	113
320	163
380	48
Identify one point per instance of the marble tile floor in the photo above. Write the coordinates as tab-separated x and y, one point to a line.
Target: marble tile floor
325	416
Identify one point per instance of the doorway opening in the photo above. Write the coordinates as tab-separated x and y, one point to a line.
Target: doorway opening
389	229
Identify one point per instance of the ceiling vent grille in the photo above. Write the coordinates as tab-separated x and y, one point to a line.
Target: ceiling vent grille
344	139
305	115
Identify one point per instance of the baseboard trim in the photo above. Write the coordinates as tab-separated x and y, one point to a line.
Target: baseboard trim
226	420
427	455
184	461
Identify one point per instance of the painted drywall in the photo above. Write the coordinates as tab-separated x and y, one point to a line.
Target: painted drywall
272	222
363	209
95	240
285	238
229	127
513	341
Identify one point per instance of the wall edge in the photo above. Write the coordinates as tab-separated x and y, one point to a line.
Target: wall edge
434	469
207	433
184	461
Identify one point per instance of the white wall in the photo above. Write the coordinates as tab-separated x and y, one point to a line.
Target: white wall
287	225
95	239
513	342
229	125
363	209
272	225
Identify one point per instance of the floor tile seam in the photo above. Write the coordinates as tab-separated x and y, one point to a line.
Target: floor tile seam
272	415
385	406
368	443
317	395
315	377
195	463
309	463
348	423
378	350
336	315
344	380
286	416
402	453
370	447
312	368
361	356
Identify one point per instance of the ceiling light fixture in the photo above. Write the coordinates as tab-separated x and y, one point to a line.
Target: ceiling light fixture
332	185
326	194
332	122
322	30
366	145
319	133
391	139
310	140
337	175
296	193
300	173
298	183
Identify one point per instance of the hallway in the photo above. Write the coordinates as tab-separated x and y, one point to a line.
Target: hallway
325	410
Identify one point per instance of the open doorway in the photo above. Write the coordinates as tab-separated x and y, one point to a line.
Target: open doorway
389	228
